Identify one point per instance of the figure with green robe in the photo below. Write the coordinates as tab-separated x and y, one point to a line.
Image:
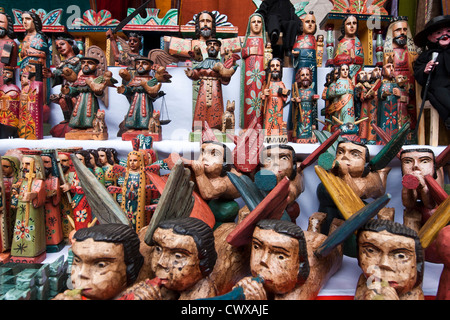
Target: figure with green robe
29	240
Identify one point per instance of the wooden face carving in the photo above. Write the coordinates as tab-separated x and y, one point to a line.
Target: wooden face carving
175	260
99	269
384	256
351	158
419	164
279	161
275	258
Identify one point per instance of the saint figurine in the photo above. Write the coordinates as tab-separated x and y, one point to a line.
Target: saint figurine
349	50
29	241
253	71
212	74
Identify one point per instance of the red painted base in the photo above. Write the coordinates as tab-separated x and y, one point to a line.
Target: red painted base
39	259
130	135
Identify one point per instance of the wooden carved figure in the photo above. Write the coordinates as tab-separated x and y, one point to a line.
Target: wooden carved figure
31	118
182	276
9	98
274	98
367	93
154	125
279	161
320	44
305	114
142	91
35	47
95	163
389	96
327	97
82	212
69	58
228	118
392	260
53	222
131	48
434	38
349	50
342	93
253	71
106	262
279	16
403	101
212	75
399	45
351	164
107	162
86	89
11	171
28	244
417	198
68	182
278	262
205	29
8	47
136	190
304	50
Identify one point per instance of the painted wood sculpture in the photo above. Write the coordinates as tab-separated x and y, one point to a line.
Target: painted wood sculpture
381	244
69	179
342	94
28	244
212	74
274	98
130	48
253	71
116	245
35	47
10	176
365	177
435	38
417	197
304	49
349	50
86	88
83	215
183	277
9	98
31	117
304	107
399	45
276	163
205	29
69	53
233	239
8	47
136	189
141	90
389	100
366	92
304	273
53	224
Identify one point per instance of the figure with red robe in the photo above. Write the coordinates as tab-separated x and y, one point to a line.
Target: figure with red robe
212	74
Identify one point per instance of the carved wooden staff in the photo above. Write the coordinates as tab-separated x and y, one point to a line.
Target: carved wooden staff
269	78
30	176
425	93
295	94
61	174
